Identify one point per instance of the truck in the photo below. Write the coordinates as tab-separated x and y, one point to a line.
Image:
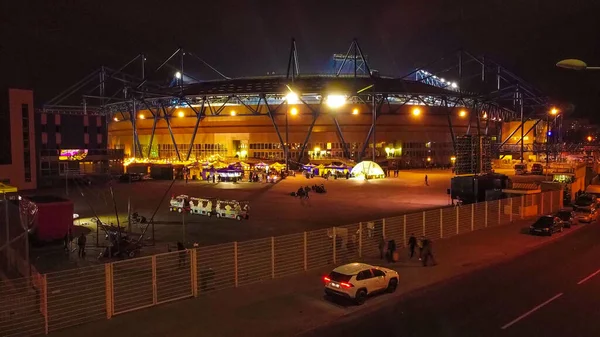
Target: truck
471	188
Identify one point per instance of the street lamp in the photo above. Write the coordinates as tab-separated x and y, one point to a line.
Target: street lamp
575	64
589	138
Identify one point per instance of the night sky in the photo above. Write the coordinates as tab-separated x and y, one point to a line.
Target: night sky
49	45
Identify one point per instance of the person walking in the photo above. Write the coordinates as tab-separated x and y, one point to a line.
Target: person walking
428	252
412	242
426	181
81	243
420	245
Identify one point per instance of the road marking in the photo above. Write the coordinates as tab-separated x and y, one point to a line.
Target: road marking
589	277
530	311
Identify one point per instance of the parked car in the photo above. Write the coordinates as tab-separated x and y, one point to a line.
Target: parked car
356	281
537	169
546	225
567	217
586	214
520	169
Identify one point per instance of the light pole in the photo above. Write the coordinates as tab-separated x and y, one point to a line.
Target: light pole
575	64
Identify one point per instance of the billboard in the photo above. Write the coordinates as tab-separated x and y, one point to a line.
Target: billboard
73	154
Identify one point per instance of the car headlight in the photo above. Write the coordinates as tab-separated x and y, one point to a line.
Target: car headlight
546	229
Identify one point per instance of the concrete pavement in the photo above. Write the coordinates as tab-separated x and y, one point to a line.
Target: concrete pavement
552	291
295	304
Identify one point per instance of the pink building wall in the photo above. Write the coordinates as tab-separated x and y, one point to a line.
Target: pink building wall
15	172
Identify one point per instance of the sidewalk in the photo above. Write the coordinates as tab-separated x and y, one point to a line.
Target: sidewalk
295	304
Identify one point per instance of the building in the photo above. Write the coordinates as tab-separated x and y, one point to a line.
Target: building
73	145
17	139
253	118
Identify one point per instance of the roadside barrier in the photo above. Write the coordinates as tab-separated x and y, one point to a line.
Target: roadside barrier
45	303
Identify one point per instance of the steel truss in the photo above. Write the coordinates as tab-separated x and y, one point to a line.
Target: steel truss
121	95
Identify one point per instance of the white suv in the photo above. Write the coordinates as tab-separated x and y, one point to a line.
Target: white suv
358	280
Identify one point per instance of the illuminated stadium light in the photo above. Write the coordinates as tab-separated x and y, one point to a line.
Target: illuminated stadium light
181	114
355	111
116	119
416	111
294	111
462	113
142	116
178	75
454	85
554	111
292	98
232	113
443	80
336	101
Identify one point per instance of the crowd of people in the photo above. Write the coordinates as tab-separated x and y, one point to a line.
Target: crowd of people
421	246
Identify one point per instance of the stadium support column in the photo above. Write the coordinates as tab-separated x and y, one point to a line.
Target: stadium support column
520	96
168	120
199	117
135	141
374	121
286	147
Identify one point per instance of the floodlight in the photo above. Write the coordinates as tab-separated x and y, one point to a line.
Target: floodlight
336	101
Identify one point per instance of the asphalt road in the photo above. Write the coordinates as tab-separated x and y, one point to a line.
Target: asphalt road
552	291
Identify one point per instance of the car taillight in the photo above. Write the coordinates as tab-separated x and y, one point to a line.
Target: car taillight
346	285
326	279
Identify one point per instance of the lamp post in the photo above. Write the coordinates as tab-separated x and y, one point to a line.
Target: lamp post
575	64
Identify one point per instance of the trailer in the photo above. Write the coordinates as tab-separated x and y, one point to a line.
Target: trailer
202	206
232	209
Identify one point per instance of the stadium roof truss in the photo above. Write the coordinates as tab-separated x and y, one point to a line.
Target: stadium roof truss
483	86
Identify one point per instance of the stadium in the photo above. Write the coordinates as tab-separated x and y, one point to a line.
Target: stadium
348	113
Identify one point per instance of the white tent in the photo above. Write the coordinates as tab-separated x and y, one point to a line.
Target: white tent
367	169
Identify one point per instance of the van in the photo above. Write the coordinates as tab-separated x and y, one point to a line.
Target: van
520	169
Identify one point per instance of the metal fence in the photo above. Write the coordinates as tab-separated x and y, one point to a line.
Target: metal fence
45	303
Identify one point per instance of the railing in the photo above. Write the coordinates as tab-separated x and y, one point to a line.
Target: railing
50	302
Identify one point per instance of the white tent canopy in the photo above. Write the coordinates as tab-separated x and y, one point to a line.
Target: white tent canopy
367	169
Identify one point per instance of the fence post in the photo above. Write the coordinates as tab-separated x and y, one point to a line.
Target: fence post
44	300
441	224
334	239
500	211
360	239
404	229
305	253
486	213
457	218
423	223
154	286
472	217
511	209
551	201
108	280
272	257
235	263
522	210
194	270
383	227
542	204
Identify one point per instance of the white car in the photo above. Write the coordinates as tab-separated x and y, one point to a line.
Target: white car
356	281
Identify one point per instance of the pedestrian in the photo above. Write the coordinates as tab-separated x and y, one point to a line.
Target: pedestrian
426	181
81	243
412	242
428	252
420	245
181	250
391	251
381	247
